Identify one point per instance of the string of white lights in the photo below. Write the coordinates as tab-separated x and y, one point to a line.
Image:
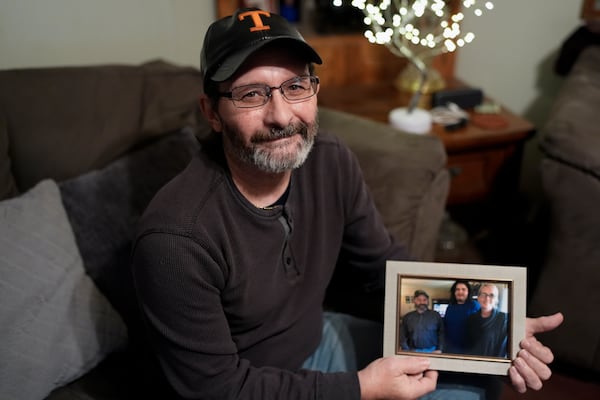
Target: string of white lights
418	27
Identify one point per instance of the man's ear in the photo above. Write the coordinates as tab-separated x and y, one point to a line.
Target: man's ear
211	115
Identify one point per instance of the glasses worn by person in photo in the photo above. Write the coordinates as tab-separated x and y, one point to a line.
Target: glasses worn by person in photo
488	295
294	90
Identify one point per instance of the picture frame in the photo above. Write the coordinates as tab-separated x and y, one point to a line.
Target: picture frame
403	277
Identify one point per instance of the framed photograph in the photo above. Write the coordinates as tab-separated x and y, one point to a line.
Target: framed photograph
483	339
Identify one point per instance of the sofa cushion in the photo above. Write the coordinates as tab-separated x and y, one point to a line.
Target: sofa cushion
88	116
170	97
56	325
104	206
7	181
82	115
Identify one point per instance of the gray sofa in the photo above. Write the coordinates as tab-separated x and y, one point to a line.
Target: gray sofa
570	274
82	151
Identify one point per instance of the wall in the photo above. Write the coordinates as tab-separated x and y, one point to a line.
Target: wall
35	33
511	58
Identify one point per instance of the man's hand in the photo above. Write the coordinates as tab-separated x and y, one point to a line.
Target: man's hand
530	367
396	378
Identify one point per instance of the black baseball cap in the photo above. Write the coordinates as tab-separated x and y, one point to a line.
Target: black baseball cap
421	293
231	40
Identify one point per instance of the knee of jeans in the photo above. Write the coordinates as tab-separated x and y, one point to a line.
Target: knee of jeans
455	392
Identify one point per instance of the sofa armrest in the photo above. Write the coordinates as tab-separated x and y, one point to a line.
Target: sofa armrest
406	173
570	178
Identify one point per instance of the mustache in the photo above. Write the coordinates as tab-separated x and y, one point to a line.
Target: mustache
280	133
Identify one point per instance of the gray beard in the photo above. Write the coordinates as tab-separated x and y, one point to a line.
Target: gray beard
263	159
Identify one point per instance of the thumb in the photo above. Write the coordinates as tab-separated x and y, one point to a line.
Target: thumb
543	324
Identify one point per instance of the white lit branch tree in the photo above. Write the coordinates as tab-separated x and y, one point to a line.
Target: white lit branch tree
419	29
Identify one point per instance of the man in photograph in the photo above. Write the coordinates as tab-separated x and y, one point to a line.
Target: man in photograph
422	330
487	329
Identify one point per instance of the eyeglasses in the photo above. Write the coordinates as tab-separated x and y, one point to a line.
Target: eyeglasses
488	295
294	90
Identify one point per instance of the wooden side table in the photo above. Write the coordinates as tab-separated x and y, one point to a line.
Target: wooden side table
484	163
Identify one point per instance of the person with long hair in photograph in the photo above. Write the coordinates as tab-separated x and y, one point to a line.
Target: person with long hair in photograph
455	319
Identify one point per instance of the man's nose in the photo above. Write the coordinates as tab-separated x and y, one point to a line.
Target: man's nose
278	110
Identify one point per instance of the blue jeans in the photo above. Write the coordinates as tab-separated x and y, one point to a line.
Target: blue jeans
350	344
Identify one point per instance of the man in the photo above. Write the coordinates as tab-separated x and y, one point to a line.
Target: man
422	330
487	330
234	255
455	319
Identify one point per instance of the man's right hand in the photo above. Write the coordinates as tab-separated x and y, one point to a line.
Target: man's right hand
396	378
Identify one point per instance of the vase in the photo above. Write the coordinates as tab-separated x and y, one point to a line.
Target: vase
409	81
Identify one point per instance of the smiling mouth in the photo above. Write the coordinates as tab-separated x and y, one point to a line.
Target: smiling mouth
274	142
275	134
272	138
275	139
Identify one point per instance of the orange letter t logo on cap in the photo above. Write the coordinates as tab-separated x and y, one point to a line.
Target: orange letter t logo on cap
258	23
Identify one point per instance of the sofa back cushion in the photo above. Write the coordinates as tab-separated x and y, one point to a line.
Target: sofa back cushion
64	121
170	98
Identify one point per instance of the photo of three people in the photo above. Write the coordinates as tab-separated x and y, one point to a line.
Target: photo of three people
462	317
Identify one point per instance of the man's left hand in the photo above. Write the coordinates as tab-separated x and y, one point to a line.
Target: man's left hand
530	367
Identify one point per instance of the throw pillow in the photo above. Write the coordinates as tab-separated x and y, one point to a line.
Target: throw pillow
55	323
104	206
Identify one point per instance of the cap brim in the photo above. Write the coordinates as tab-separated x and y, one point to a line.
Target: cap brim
232	63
